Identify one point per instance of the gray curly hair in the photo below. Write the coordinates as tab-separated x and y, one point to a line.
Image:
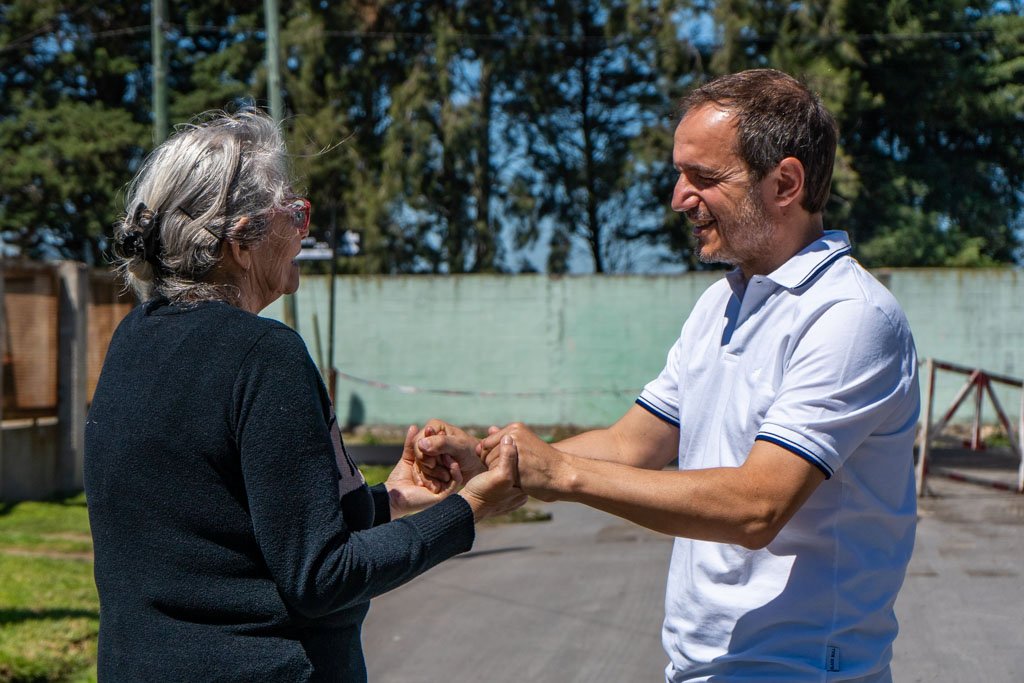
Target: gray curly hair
190	195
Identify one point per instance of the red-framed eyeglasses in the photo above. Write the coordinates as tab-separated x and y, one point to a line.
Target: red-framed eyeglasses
299	210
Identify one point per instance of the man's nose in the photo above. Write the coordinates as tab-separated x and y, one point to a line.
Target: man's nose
684	198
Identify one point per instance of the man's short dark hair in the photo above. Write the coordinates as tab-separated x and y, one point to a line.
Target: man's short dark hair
776	117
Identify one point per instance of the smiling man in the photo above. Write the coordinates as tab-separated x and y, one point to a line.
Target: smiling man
790	401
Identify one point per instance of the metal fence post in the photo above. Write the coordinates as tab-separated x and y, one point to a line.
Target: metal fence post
926	427
1020	443
72	374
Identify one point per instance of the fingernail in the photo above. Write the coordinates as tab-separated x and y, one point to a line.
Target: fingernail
507	440
423	444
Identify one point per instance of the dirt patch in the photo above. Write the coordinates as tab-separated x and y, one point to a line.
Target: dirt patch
50	554
69	536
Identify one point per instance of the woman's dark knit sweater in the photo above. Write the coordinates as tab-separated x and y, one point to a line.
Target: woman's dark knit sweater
234	538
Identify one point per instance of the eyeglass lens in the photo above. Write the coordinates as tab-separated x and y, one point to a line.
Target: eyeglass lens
300	213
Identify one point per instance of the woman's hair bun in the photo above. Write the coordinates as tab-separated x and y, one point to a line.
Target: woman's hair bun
137	226
133	244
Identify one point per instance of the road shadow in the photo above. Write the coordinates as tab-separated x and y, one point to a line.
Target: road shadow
992	459
74	499
496	551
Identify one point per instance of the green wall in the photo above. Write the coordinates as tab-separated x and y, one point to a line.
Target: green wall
972	317
576	350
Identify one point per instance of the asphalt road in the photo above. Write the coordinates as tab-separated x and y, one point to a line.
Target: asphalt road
579	598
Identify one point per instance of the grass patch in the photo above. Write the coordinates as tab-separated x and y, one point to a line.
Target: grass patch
60	526
49	610
375	474
49	620
524	515
998	439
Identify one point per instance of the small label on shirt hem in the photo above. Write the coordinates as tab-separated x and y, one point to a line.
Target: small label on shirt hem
832	659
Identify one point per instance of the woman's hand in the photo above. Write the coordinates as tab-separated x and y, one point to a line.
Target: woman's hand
496	491
408	490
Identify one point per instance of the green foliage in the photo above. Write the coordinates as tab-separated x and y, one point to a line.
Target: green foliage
582	108
66	129
57	177
479	136
928	97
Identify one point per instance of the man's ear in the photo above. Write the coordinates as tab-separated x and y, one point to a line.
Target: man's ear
789	186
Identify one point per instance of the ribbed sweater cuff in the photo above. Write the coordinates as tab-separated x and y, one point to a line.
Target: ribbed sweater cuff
381	504
447	528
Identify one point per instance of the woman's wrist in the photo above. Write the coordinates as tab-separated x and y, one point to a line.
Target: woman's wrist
399	503
477	505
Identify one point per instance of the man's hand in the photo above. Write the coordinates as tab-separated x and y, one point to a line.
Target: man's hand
494	491
440	445
408	491
543	471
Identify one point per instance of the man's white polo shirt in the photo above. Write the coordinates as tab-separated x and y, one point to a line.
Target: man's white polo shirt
818	358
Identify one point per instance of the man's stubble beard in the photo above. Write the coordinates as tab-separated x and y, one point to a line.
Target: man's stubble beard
753	227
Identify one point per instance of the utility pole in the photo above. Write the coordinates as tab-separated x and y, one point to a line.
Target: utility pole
273	23
332	373
158	14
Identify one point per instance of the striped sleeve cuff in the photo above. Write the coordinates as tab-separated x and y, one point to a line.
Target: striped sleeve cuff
657	408
797	444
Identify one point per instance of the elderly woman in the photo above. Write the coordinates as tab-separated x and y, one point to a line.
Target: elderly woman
235	539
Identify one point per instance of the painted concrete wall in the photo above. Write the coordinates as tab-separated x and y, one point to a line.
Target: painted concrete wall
969	317
577	349
28	459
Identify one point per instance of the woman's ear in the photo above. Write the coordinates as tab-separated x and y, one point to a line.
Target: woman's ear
237	256
789	187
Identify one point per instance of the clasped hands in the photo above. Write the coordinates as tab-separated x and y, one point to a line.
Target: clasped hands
445	457
440	459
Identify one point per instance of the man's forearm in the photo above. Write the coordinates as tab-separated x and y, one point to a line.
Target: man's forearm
695	504
597	444
745	505
637	439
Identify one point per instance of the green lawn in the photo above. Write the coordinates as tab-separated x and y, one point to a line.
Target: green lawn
49	611
375	474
